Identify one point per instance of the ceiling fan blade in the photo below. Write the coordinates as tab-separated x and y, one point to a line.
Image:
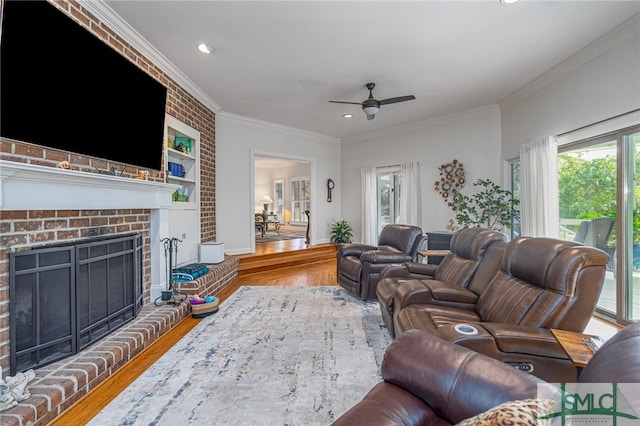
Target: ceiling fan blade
398	99
371	116
344	102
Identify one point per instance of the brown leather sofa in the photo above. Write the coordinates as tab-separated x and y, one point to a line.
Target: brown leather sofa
429	381
445	283
359	265
542	283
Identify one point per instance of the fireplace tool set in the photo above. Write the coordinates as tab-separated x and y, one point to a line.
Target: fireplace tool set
170	296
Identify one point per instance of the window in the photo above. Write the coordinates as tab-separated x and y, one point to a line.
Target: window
388	197
300	199
599	192
278	202
515	190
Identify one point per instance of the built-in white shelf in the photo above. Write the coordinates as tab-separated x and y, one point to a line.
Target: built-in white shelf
184	216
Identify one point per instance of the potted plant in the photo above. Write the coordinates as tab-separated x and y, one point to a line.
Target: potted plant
492	207
341	232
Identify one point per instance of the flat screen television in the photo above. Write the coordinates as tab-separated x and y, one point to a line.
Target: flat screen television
64	88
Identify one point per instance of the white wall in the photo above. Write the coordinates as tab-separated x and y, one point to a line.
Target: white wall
599	82
472	137
263	185
238	140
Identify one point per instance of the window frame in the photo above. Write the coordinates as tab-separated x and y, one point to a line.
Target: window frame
307	183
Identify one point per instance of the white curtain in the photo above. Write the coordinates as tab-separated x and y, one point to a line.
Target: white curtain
409	194
539	205
369	206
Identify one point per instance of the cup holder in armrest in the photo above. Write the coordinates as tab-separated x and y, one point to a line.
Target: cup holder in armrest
466	329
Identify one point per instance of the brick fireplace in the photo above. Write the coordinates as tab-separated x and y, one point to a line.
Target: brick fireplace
44	204
40	204
69	206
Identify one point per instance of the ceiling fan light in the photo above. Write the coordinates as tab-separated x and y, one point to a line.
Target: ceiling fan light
370	110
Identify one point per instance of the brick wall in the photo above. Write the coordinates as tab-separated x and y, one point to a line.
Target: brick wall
22	229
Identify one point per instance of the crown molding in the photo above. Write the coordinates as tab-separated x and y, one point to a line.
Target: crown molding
280	127
419	124
108	17
611	39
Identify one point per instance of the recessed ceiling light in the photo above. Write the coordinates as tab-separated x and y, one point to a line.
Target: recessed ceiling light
204	48
347	116
509	1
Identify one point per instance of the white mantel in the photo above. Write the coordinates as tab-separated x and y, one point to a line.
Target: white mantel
33	187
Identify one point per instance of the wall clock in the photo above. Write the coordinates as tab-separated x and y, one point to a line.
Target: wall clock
330	185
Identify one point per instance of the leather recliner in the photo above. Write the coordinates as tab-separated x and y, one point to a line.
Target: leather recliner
542	283
359	265
429	381
426	283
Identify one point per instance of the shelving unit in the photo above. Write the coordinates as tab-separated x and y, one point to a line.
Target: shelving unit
184	215
187	160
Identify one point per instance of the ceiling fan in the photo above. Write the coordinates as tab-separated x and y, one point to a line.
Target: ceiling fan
371	105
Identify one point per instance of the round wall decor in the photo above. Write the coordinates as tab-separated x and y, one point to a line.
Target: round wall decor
452	179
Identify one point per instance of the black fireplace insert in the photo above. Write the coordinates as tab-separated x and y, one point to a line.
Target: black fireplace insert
63	298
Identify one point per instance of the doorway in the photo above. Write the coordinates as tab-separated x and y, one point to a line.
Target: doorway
283	186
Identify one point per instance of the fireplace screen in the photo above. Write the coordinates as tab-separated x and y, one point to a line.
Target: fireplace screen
64	298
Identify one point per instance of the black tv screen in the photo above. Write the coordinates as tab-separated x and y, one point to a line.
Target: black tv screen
64	88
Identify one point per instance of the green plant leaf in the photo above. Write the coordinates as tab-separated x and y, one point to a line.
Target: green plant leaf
492	207
341	232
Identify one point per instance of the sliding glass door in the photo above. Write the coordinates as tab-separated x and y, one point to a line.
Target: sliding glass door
588	194
599	196
630	267
599	190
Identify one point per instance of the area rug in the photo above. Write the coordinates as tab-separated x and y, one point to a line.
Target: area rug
274	236
270	356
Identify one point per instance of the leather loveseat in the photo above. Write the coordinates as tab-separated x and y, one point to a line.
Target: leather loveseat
359	265
447	282
542	283
429	381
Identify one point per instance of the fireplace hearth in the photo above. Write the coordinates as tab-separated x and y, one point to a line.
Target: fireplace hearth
65	297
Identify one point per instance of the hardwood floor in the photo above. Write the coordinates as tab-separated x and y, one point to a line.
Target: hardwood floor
316	274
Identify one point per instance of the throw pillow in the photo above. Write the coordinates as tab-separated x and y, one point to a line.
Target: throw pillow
523	412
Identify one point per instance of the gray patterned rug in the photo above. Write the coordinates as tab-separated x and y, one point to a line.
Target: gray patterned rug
270	356
274	236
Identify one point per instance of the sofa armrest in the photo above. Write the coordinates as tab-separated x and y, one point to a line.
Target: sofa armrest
388	404
528	340
529	348
422	268
506	339
408	270
383	256
353	249
434	292
454	381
